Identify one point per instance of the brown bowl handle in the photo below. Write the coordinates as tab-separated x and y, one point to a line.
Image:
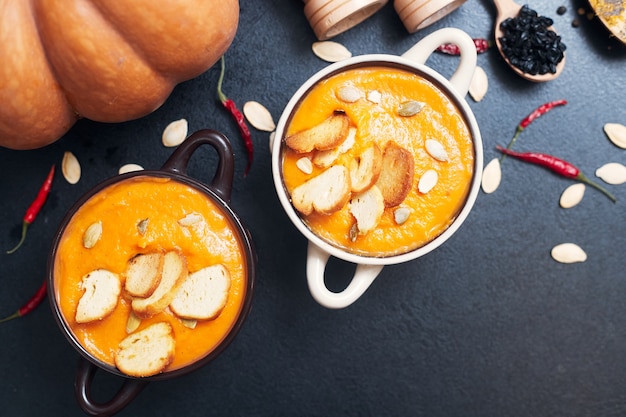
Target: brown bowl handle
82	389
223	180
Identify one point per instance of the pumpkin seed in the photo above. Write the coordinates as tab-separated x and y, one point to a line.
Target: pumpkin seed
374	96
427	181
331	51
92	235
349	93
175	133
401	215
259	116
616	133
70	167
132	323
479	84
189	323
612	173
410	108
129	168
492	175
436	150
190	219
305	165
353	232
142	226
568	253
572	195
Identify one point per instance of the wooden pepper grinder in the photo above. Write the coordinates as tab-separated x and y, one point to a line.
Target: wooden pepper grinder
417	14
329	18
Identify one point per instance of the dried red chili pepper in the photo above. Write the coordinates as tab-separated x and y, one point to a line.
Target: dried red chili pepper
556	165
539	111
482	45
30	305
237	115
35	207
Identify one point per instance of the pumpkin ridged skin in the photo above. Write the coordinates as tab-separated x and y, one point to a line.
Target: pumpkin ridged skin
105	60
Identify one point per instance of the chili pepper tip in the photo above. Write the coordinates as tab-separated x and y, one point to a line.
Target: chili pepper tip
22	239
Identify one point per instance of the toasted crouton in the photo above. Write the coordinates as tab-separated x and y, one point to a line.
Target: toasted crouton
327	135
172	277
325	193
324	159
203	295
365	168
146	352
102	292
143	274
367	208
396	175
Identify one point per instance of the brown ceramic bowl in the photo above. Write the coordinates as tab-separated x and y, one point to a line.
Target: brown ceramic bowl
218	192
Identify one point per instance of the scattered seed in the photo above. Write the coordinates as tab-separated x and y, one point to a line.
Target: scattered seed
492	175
616	133
132	323
568	253
561	10
436	150
92	235
374	96
70	167
479	84
190	219
427	181
349	93
410	108
331	51
612	173
572	195
354	232
401	215
175	133
129	168
142	226
259	116
305	165
189	323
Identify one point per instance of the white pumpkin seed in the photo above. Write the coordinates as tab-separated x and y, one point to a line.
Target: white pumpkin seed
349	94
427	181
92	235
189	323
436	150
568	253
305	165
492	175
132	323
331	51
612	173
401	215
129	168
259	116
190	219
479	84
374	96
175	133
616	133
70	167
572	195
410	108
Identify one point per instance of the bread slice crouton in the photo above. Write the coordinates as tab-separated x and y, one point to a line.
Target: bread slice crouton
324	159
325	193
173	275
367	208
146	352
365	168
102	292
203	295
327	135
143	274
396	176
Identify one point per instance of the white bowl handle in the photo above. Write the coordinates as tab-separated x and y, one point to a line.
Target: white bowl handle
363	277
462	77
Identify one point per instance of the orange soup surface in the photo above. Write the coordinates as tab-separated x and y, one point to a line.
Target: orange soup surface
376	118
121	208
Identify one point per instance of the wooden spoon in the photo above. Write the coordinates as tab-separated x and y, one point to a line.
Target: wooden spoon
506	9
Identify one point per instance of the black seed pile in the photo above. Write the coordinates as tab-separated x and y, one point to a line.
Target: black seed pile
529	45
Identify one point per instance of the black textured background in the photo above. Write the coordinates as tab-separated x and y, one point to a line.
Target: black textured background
486	325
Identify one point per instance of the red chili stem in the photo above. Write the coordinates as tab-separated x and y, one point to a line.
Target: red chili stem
30	305
482	45
556	165
35	207
237	115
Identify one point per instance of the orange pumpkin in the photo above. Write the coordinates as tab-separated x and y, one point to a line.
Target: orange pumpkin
108	61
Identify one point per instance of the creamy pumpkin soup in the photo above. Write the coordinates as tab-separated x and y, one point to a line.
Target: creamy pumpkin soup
377	161
154	263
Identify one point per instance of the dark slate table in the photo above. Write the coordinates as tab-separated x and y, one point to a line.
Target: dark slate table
486	325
